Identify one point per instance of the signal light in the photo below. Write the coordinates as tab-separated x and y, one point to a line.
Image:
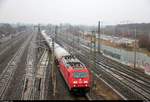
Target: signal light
75	82
85	81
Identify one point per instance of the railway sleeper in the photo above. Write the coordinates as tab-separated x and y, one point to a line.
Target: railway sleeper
26	83
39	85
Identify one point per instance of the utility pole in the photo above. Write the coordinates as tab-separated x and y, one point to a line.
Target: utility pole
90	55
73	44
56	29
94	56
94	52
39	30
78	40
52	63
53	67
39	42
135	49
99	37
83	35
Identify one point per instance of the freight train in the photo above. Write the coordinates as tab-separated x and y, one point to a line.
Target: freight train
75	73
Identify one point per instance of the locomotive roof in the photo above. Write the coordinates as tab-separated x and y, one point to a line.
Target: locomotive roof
71	60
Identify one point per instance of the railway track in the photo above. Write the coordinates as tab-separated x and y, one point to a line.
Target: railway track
140	84
7	55
130	72
127	82
136	76
84	97
6	46
124	88
29	77
137	83
8	72
41	77
121	67
127	77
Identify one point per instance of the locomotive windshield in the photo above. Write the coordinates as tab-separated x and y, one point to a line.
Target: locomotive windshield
80	74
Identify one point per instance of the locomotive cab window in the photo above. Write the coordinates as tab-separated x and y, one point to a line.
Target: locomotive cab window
80	74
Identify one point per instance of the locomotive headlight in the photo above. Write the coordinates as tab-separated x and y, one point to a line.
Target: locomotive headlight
75	82
85	81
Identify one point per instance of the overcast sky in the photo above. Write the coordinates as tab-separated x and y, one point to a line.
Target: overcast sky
86	12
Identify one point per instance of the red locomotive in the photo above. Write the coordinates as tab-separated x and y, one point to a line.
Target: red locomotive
75	73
